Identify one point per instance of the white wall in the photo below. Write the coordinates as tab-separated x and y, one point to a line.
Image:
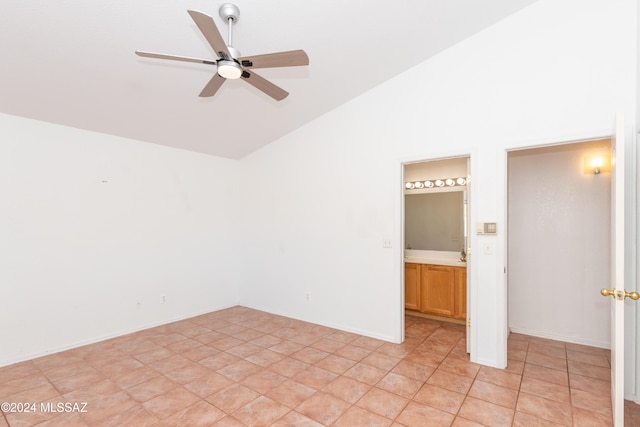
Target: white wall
90	224
325	196
448	168
559	244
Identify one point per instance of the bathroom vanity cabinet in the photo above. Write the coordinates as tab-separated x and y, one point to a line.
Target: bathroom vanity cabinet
436	289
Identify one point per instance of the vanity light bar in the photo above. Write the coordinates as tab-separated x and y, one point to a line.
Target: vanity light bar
448	182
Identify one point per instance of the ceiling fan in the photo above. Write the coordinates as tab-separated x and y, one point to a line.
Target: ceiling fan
229	63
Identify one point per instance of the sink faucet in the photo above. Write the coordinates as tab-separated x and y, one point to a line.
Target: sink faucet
463	256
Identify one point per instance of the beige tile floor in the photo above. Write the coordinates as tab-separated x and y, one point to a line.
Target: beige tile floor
242	367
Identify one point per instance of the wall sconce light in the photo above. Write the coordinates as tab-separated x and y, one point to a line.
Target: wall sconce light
597	164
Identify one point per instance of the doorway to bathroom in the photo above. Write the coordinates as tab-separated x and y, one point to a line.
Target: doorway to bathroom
558	242
435	251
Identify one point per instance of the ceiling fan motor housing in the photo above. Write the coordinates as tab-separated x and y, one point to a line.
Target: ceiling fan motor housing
235	53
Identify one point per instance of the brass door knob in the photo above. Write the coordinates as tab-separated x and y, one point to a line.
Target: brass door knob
607	292
633	295
619	295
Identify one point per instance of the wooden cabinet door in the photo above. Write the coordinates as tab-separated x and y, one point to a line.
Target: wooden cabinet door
460	309
412	286
437	289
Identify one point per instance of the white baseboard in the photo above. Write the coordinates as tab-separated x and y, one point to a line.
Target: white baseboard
557	337
47	352
326	324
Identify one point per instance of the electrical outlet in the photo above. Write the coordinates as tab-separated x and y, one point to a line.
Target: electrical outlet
163	298
139	303
308	296
386	243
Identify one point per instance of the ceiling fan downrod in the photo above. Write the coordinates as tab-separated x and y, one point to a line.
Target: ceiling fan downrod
230	14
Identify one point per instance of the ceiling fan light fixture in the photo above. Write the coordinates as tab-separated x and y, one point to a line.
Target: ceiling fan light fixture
229	69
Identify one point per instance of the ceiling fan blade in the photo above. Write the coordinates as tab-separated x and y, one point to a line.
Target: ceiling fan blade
291	58
212	87
174	57
264	85
211	33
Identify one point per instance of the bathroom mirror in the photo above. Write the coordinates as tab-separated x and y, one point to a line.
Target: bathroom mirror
435	221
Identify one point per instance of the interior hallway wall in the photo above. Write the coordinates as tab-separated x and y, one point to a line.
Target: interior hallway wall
559	244
93	224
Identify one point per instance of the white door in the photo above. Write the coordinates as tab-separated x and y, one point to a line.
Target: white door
617	273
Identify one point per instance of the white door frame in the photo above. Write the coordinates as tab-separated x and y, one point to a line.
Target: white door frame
399	237
618	247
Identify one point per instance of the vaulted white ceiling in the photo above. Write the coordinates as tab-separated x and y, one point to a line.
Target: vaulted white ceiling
72	62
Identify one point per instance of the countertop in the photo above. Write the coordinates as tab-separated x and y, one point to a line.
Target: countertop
433	257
